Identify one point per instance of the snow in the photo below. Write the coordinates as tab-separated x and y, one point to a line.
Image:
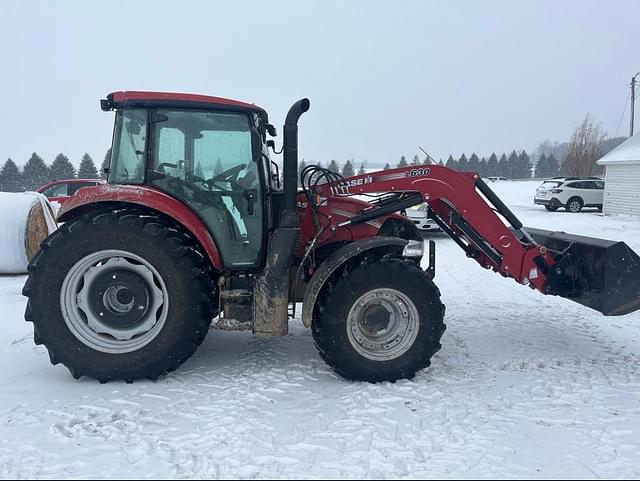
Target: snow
526	386
626	153
14	211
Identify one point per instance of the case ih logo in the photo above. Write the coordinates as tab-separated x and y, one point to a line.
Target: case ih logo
344	187
421	172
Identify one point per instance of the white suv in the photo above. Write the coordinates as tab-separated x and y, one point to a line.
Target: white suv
419	215
572	193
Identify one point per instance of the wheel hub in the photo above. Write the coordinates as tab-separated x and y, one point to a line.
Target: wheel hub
376	319
119	296
382	324
114	301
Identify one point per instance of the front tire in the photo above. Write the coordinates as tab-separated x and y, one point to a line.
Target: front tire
379	321
551	208
120	296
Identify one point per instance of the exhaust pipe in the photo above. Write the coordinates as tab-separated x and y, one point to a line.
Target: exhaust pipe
290	161
271	289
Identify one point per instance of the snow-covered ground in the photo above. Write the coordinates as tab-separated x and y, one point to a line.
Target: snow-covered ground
525	386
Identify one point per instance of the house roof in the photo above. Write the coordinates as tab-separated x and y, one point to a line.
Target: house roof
627	152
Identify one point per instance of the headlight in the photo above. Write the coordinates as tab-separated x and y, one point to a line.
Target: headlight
413	249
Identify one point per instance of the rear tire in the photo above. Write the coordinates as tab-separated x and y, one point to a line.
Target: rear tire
97	331
379	321
574	205
551	208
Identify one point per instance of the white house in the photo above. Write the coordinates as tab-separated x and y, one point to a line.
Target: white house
622	178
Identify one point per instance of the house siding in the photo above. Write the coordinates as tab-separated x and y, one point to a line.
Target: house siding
622	189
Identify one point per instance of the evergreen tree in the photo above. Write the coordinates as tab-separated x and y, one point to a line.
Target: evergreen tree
348	170
503	167
547	166
333	166
387	166
415	160
554	165
451	163
361	169
403	162
463	163
87	168
61	168
197	171
492	166
10	177
524	165
441	163
483	168
217	169
512	165
105	164
35	172
542	166
474	163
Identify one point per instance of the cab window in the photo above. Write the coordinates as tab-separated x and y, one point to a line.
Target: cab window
129	143
205	159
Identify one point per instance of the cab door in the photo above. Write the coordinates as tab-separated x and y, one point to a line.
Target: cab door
205	159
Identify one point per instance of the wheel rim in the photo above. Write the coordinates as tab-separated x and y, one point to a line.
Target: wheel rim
114	301
383	324
574	206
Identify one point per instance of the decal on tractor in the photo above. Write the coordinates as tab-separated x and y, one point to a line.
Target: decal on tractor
345	187
421	172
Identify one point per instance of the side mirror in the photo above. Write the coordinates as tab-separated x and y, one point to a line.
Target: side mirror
271	130
106	105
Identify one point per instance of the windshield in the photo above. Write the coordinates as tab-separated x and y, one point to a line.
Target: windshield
129	143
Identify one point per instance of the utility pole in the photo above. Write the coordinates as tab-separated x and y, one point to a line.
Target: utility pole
633	101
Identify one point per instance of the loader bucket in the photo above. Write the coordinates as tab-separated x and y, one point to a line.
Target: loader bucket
601	274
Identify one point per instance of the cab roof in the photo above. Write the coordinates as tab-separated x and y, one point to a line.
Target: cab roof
133	98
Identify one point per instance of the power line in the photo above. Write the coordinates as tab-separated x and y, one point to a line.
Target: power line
623	112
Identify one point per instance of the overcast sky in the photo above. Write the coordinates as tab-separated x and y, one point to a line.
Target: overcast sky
383	77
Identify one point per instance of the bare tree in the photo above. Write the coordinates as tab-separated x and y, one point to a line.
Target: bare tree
585	147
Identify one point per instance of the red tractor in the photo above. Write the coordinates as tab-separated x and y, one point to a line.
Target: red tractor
193	224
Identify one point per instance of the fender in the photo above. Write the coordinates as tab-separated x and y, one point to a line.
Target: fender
90	198
355	249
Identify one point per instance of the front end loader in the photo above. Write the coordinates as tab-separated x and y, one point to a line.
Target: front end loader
194	226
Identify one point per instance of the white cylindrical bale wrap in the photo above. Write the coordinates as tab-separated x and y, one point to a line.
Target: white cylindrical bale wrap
26	219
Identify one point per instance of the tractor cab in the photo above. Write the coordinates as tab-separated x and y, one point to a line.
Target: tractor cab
206	152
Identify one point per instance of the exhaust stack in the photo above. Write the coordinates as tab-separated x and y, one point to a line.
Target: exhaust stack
271	290
290	162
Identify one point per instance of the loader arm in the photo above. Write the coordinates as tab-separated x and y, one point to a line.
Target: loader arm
478	221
